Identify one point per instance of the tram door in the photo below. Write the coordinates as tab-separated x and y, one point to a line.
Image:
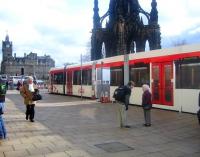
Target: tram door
162	86
103	82
69	82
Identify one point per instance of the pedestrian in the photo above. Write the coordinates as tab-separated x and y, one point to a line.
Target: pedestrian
3	89
146	104
123	105
27	91
19	84
198	112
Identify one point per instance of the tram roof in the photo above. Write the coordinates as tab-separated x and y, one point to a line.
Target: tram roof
140	55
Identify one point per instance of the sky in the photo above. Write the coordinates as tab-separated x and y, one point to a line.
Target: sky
62	28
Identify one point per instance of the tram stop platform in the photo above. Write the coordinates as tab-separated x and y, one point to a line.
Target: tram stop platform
74	127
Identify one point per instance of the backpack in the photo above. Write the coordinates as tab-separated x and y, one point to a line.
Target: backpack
120	93
2	89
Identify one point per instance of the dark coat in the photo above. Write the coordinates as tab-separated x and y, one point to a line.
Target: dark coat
2	97
127	96
199	99
146	100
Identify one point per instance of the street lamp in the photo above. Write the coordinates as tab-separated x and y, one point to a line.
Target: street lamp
126	68
64	77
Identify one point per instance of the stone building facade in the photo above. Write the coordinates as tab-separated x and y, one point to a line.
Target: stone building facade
30	64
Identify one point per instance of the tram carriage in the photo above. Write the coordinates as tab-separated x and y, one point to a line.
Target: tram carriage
173	75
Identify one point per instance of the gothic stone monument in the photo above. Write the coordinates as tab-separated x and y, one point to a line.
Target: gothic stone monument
125	31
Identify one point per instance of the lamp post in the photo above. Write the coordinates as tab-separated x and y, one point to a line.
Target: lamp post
64	78
81	78
126	69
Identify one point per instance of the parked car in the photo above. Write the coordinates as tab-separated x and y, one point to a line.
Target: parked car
14	80
4	77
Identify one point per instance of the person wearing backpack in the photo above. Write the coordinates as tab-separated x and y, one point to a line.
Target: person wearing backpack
122	97
3	89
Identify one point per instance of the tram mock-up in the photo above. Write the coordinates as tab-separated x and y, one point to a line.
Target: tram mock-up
173	75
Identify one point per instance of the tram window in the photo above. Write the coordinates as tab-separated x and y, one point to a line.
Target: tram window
77	78
58	78
140	74
51	79
117	76
187	75
87	77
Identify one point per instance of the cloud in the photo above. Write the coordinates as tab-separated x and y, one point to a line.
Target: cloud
189	36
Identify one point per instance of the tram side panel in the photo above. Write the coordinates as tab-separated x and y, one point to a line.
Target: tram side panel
137	73
175	87
82	83
187	87
187	100
103	83
116	79
166	84
56	82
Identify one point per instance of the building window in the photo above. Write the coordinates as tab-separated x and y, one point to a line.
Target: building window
139	73
58	78
117	76
188	74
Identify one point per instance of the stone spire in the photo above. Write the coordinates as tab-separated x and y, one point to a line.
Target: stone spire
154	13
96	18
7	37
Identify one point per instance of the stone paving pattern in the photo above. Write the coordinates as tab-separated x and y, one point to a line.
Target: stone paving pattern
71	127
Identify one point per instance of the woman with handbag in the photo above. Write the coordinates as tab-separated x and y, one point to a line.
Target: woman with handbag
146	104
27	91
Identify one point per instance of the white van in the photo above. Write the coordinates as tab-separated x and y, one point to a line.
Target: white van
4	77
15	79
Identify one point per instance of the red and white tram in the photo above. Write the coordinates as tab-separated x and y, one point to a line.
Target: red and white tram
173	75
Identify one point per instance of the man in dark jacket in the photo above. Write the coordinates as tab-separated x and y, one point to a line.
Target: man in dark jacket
2	104
123	106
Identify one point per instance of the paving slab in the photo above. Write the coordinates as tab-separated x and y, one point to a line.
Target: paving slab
74	127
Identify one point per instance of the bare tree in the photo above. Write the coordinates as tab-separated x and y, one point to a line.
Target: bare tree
86	57
68	63
179	42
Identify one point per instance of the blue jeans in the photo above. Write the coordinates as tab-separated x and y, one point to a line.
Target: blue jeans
2	125
2	129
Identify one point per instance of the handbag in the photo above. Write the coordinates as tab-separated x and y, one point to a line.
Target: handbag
36	97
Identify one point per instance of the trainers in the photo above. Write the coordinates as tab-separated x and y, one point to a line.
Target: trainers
31	120
127	126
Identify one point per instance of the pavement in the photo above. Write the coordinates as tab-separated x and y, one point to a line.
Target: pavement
73	127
